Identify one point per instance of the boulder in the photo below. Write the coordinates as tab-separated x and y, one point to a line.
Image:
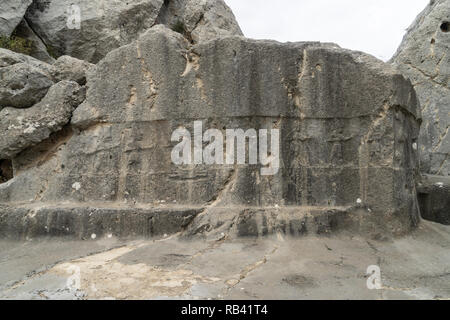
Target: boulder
88	30
23	84
68	68
424	58
11	13
348	126
199	20
8	58
23	128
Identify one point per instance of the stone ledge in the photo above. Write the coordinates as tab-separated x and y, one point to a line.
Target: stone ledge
27	221
82	222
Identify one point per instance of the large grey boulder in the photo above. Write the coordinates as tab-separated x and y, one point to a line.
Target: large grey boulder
8	58
24	80
69	68
105	25
348	129
11	13
424	58
202	20
23	128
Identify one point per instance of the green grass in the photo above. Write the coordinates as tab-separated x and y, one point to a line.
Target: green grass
179	27
16	44
52	52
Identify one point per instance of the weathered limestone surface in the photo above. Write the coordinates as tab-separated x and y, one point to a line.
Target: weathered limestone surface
108	24
348	125
11	13
424	58
23	128
203	19
8	58
36	105
72	69
24	80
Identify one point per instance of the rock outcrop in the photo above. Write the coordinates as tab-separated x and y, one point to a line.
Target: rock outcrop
424	58
11	14
88	30
36	103
348	126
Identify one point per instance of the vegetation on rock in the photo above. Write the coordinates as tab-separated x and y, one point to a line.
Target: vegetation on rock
16	44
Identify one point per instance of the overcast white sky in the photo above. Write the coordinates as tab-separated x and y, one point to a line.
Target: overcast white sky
373	26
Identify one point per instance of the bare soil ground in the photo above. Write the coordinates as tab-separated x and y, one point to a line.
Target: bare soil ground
413	267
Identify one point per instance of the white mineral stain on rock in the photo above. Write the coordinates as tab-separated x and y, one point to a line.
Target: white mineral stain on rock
30	129
76	186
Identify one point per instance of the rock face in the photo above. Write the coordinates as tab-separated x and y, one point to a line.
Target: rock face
88	30
11	13
424	58
348	127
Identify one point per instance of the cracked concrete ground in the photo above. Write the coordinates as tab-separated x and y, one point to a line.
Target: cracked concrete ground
413	267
